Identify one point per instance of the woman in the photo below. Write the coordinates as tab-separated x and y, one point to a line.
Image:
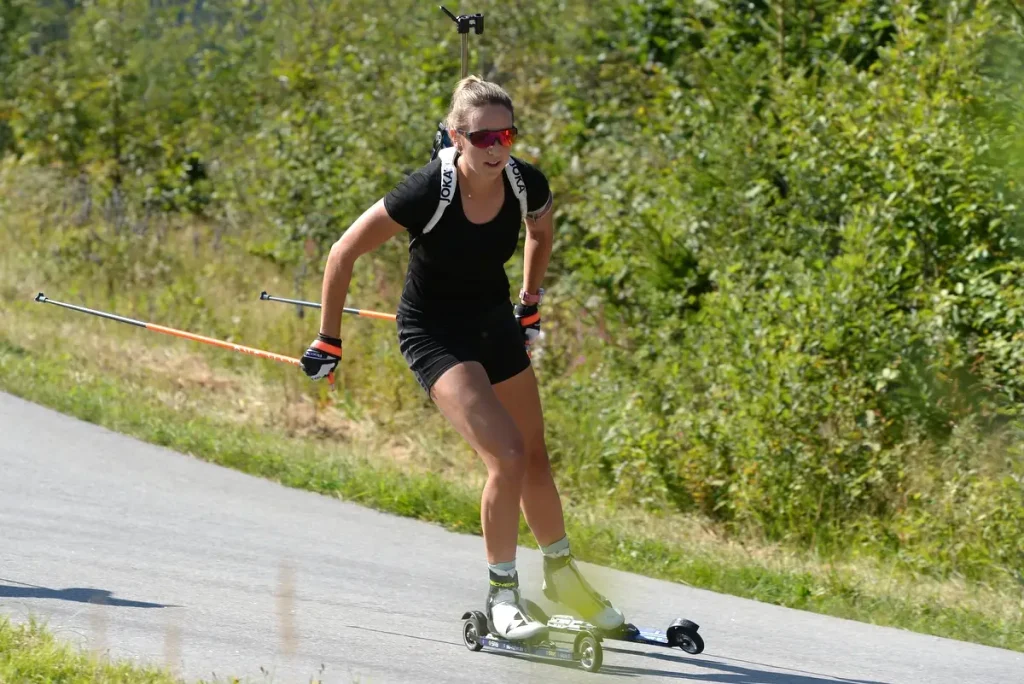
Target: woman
466	344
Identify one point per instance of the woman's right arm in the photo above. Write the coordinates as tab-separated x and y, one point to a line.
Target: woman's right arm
371	230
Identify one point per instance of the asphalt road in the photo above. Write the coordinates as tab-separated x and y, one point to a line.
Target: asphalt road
147	554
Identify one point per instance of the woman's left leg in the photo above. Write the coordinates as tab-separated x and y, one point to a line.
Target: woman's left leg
540	500
542	507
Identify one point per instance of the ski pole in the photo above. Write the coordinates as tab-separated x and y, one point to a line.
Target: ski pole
43	299
313	305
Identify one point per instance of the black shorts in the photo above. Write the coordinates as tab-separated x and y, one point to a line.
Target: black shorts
432	347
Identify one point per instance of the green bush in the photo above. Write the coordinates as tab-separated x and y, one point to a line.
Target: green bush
814	293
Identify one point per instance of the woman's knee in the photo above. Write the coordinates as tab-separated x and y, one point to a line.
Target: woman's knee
510	456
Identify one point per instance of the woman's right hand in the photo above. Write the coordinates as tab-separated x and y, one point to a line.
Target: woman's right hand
322	357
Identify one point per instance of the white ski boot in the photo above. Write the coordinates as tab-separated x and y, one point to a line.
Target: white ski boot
506	613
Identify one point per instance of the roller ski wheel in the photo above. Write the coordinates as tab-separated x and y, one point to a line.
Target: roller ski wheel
473	627
567	639
591	655
691	642
683	633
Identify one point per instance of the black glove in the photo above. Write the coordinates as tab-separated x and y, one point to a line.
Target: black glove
322	357
529	320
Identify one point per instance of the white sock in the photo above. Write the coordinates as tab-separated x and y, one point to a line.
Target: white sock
506	569
557	550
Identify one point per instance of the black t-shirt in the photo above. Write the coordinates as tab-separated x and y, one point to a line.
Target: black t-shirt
458	267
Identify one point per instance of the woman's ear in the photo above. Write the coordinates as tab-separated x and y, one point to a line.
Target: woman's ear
455	139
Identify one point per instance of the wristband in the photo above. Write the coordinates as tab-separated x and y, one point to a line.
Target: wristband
326	343
528	299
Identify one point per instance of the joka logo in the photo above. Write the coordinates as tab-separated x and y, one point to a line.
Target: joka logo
447	176
518	175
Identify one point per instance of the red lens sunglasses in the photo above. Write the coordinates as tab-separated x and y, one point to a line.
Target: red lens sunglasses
484	139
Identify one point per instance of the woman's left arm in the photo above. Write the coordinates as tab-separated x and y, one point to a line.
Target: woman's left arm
537	251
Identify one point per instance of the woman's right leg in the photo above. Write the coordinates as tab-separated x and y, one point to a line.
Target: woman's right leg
465	396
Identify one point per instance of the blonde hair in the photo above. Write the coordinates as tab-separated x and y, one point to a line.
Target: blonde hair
472	92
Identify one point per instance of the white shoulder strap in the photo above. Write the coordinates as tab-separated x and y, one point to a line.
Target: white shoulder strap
449	180
515	177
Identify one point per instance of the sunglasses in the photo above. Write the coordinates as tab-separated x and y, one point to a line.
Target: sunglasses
485	139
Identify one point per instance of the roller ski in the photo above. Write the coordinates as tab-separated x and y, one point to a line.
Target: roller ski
510	624
565	586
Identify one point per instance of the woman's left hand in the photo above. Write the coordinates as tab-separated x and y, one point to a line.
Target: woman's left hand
529	320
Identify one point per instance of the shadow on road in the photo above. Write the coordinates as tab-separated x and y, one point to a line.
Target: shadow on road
726	673
76	594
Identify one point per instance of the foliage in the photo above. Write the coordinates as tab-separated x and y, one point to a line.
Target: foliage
787	278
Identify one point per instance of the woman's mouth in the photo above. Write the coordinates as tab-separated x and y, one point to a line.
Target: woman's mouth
493	165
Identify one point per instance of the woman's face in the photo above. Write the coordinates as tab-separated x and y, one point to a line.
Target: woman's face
489	162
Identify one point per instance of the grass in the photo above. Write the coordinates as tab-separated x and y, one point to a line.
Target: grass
375	441
29	653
